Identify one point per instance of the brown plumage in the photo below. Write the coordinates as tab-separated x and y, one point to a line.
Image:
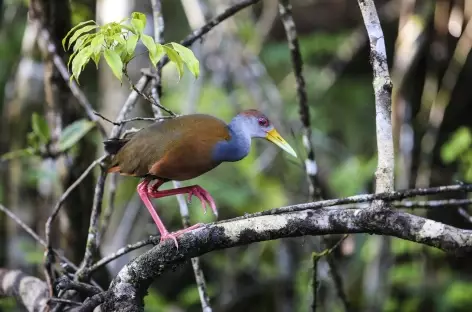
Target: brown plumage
173	149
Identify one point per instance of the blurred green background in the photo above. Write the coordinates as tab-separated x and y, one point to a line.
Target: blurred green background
245	63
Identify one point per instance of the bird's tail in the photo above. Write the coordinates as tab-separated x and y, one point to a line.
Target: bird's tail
112	146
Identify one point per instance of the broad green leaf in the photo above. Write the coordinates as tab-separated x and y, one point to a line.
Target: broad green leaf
97	43
131	44
73	133
80	60
80	32
138	20
189	58
83	41
40	127
73	29
18	153
114	61
155	50
139	16
176	59
149	43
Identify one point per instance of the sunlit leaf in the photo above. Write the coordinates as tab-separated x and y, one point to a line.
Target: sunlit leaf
188	58
80	60
176	59
114	61
73	29
97	43
131	44
96	59
40	127
83	41
138	20
80	32
73	133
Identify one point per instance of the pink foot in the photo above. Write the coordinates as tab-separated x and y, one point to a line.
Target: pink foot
176	234
204	198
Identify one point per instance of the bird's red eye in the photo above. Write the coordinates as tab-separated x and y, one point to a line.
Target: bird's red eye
263	122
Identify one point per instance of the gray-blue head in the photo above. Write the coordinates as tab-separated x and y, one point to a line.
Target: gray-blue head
255	124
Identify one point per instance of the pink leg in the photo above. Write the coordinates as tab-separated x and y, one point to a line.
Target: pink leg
144	194
193	190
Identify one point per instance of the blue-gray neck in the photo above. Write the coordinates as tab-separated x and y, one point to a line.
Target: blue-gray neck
238	146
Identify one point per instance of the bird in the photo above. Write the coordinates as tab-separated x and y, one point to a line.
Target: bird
183	148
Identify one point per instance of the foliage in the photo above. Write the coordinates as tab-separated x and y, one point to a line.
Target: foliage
459	148
40	138
117	41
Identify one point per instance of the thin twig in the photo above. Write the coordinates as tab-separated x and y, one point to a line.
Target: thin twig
64	301
310	162
132	119
365	198
153	240
93	235
465	214
297	63
146	97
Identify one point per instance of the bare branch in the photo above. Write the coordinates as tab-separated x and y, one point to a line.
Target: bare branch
28	290
383	89
132	119
153	240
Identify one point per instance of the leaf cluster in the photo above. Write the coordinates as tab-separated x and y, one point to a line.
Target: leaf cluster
116	42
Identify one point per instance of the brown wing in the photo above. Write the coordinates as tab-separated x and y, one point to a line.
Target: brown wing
175	149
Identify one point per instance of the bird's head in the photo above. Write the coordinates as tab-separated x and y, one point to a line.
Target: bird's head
257	125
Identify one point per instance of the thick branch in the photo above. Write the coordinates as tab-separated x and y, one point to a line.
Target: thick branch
129	286
30	291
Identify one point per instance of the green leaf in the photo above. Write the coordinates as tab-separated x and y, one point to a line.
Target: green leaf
96	59
18	153
457	145
176	59
138	21
80	32
131	44
80	60
83	41
189	58
114	61
73	29
155	50
73	133
119	38
40	127
139	16
97	43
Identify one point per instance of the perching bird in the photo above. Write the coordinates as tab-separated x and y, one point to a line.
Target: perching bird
184	148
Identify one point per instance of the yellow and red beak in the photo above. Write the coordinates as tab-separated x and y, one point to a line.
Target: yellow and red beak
275	138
